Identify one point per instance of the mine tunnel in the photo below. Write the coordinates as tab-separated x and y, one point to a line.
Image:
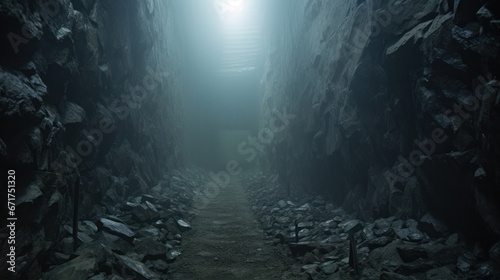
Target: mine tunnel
250	139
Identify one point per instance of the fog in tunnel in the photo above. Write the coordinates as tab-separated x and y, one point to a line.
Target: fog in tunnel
250	139
224	59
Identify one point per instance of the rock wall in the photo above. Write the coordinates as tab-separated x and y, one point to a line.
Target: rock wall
397	107
87	94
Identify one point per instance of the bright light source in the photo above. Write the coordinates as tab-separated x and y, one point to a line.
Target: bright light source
237	5
229	9
240	34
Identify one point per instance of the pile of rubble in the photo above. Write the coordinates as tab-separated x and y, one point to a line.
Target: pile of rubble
137	243
328	243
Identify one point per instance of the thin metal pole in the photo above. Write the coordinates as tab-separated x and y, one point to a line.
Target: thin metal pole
353	253
76	196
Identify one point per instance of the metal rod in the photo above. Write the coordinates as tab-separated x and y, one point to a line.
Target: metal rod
296	231
76	196
353	253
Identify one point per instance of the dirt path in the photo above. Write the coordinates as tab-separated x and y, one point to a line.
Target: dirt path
227	243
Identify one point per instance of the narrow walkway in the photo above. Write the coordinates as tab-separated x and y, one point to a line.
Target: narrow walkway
227	243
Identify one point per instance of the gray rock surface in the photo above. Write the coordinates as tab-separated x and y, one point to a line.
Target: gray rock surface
69	70
393	106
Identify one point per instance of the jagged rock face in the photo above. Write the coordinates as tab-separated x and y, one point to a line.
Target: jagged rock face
396	105
86	93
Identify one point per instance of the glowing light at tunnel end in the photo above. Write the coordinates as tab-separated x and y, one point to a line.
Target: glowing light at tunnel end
229	10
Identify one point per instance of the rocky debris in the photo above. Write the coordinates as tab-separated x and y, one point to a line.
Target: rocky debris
82	236
121	245
394	276
432	226
72	114
329	267
464	263
387	248
143	213
351	226
117	228
183	225
172	255
88	227
305	225
150	248
378	242
137	267
495	253
79	268
410	253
